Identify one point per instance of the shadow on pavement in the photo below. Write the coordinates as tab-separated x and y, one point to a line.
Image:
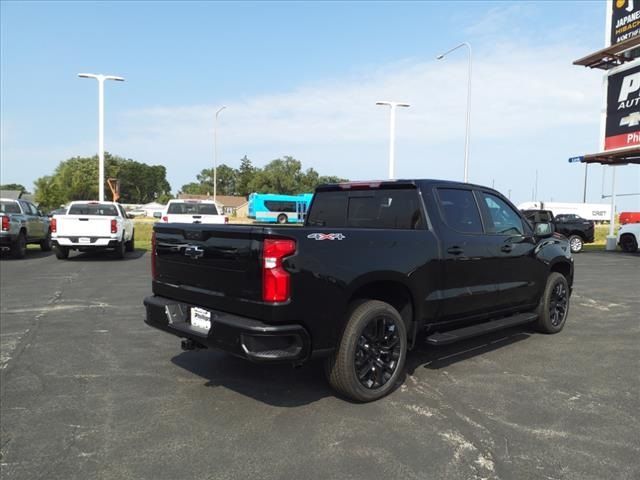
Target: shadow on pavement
279	385
32	254
434	358
106	255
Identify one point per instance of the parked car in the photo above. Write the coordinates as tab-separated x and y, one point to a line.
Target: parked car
629	237
375	264
577	229
23	223
193	211
92	226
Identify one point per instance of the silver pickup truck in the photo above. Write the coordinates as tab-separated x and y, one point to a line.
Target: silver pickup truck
23	223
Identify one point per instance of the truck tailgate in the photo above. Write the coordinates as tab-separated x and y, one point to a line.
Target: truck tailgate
83	225
209	265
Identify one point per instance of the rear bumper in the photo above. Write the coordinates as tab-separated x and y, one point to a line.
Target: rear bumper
94	242
240	336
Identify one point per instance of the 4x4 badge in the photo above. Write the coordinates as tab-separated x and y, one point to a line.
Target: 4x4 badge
326	236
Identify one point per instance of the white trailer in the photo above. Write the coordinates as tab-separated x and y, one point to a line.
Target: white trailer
598	212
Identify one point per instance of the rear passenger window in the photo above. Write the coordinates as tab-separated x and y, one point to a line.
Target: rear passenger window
504	219
390	208
395	209
460	210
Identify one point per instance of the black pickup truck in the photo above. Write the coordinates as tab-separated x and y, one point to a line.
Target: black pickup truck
375	265
577	229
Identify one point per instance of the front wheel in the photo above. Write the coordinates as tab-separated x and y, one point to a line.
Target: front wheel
371	354
554	305
628	243
575	243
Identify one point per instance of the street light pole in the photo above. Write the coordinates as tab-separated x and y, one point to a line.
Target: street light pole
392	133
215	153
468	121
101	78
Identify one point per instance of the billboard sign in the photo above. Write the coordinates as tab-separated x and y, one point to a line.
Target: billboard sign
625	20
623	108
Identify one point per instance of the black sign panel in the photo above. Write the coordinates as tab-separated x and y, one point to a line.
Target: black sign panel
623	109
625	20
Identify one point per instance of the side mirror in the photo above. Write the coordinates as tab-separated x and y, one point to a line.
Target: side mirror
157	214
543	230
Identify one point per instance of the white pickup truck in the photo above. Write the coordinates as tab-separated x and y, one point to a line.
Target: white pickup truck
193	211
90	226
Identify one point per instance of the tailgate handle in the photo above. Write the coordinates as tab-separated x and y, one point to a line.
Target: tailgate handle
196	216
455	250
83	219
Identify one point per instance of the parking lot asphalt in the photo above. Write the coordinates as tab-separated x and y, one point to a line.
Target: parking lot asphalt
89	391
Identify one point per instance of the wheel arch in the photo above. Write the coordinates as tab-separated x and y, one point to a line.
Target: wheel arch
392	291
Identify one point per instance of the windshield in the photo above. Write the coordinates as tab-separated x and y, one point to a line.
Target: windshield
192	209
106	210
9	207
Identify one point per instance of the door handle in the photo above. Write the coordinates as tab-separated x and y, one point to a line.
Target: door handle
455	250
506	248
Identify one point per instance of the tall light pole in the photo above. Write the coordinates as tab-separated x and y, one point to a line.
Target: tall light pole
466	137
392	133
101	78
215	153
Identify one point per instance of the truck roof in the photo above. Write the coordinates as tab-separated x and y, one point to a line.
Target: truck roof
399	183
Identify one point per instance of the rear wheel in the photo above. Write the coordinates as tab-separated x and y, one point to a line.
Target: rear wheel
19	246
45	244
628	243
121	249
554	305
575	243
371	354
282	218
131	243
62	253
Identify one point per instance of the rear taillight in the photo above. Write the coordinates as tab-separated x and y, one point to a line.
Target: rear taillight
275	279
5	223
165	219
153	255
53	224
114	225
226	219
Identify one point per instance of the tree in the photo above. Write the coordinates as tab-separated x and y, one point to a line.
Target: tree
13	186
246	172
226	179
77	179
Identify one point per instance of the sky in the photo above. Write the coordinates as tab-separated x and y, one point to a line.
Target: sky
302	79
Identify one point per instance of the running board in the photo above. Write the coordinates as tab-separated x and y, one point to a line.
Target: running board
452	336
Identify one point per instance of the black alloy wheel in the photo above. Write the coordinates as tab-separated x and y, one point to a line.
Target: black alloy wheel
558	304
377	352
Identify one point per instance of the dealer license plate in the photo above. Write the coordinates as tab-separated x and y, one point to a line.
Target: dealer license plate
201	318
84	240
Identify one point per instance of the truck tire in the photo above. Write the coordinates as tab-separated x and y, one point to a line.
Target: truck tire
45	244
62	253
575	243
121	248
282	218
628	243
131	246
371	353
19	246
554	305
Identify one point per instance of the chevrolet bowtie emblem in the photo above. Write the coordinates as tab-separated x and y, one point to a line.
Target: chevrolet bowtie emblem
631	120
194	252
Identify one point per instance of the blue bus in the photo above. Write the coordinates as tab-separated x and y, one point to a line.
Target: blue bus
272	208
